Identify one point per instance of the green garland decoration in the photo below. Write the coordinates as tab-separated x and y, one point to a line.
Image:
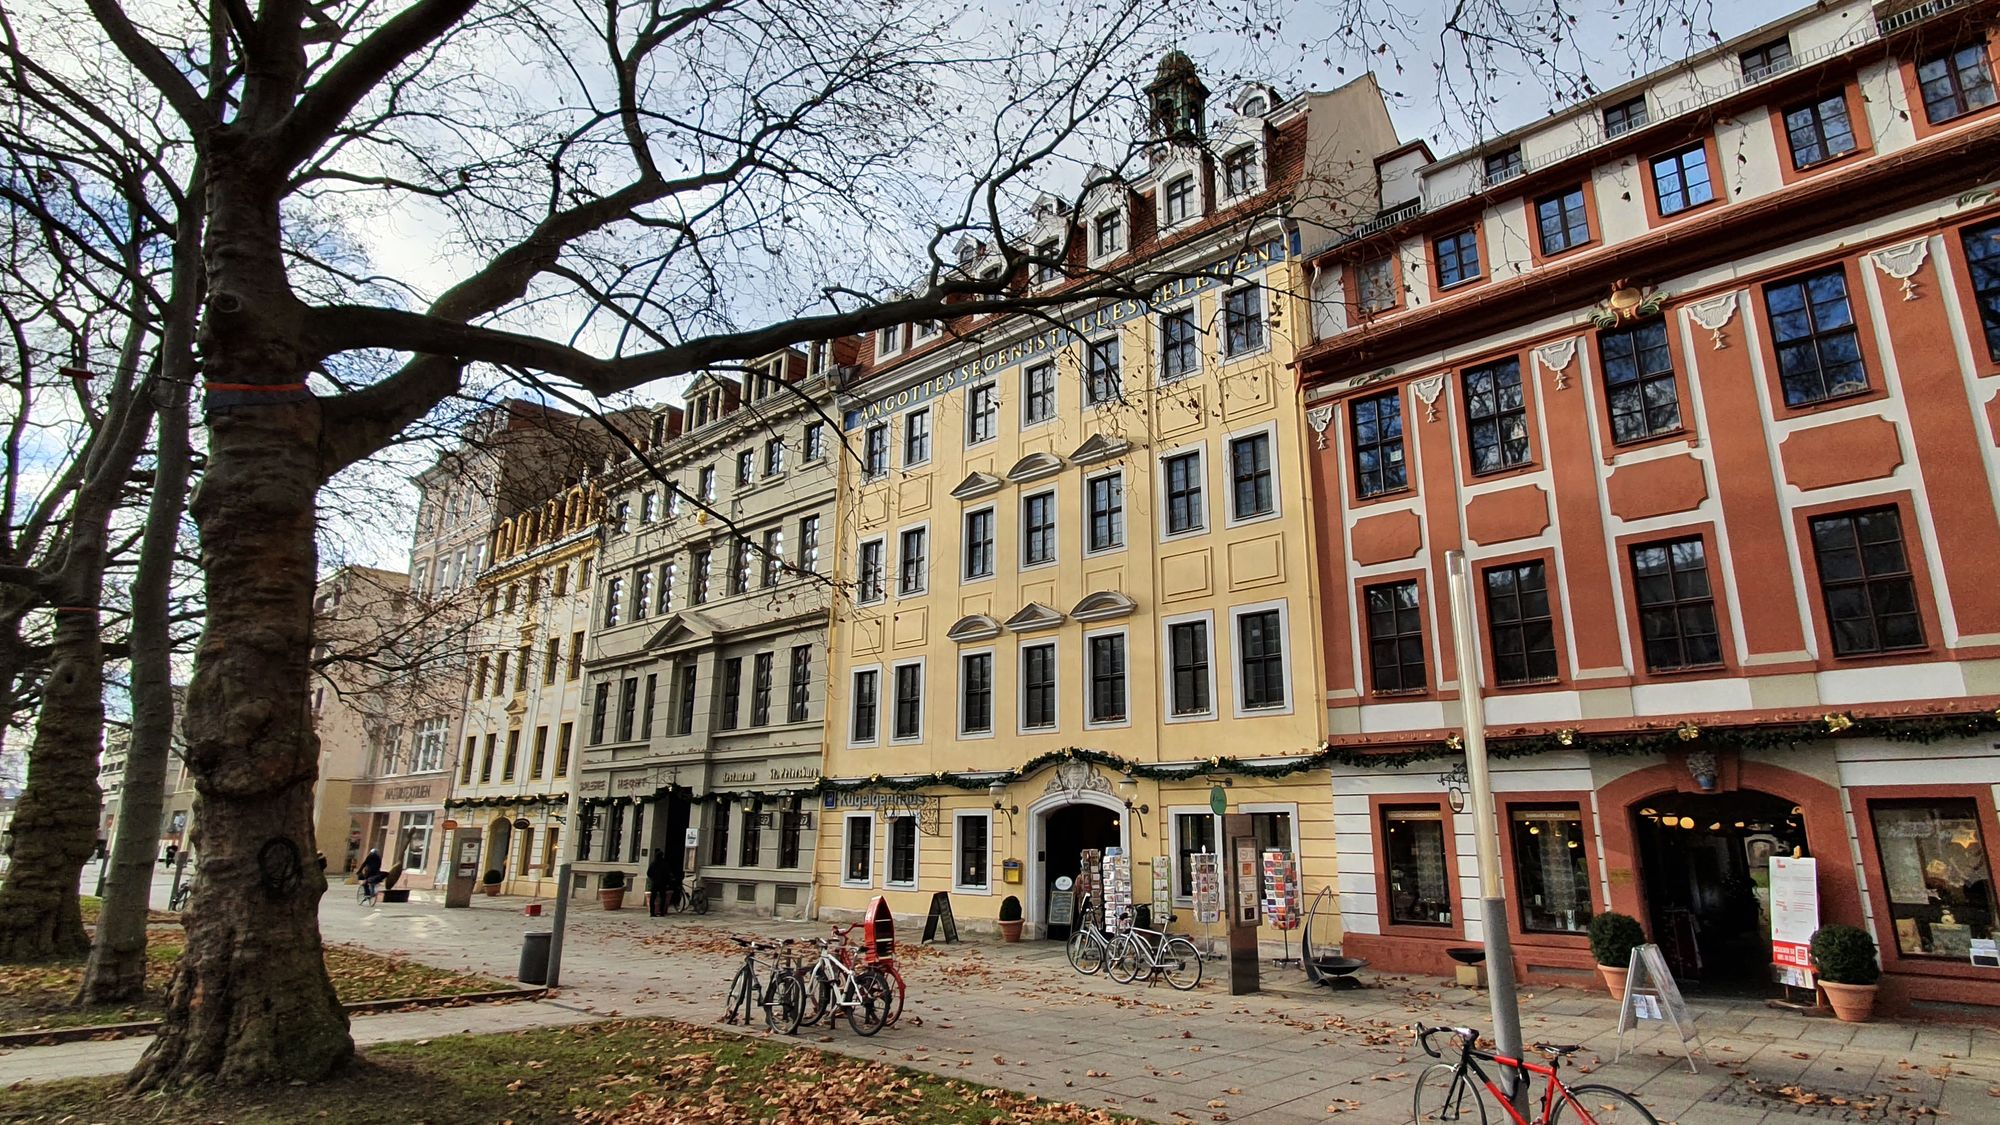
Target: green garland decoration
1833	725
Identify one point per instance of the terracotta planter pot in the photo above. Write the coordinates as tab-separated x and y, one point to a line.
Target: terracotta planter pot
611	900
1010	931
490	888
1614	979
1852	1003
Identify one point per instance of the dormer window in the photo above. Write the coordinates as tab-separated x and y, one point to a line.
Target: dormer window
1255	105
1110	234
1766	59
889	341
925	329
1239	171
820	357
1501	166
1625	116
1048	266
764	383
1177	200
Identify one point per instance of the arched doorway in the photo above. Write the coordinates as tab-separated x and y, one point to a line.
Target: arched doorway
1703	858
1067	831
499	835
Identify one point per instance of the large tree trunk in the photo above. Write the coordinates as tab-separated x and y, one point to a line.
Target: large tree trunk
116	973
250	1000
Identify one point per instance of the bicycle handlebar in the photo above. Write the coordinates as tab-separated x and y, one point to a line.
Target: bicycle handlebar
1466	1035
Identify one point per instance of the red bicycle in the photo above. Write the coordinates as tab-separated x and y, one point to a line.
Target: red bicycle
1450	1091
886	965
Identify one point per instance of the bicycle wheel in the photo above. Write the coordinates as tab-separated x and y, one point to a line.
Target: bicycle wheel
1181	962
897	992
784	1004
1446	1094
1600	1105
871	1003
700	901
1086	952
740	991
818	996
1124	959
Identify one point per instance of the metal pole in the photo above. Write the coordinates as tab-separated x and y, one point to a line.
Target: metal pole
572	827
1485	825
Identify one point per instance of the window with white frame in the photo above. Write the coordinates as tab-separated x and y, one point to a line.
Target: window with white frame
975	693
916	437
1038	686
429	749
1177	200
972	843
1108	695
913	561
857	846
774	556
1189	670
812	446
1261	683
1181	482
1105	497
1240	172
1101	381
614	602
1243	320
875	451
978	544
705	483
649	507
902	852
1038	529
889	341
746	467
870	575
906	723
809	544
865	707
1180	355
982	413
1038	393
1194	834
1048	264
1108	234
1252	486
774	457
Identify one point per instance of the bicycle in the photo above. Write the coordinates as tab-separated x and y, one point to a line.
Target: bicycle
1088	947
1451	1091
1154	952
836	985
177	900
691	895
884	965
781	996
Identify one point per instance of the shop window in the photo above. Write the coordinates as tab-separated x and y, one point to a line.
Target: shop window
969	872
751	853
789	824
903	851
1194	834
1419	889
1272	831
859	862
1934	870
1549	869
718	843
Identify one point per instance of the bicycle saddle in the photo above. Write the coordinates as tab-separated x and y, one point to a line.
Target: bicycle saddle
1558	1050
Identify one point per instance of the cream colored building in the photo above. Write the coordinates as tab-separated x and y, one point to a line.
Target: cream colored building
1069	552
523	717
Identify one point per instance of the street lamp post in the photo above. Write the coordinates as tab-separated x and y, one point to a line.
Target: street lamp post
565	877
1485	825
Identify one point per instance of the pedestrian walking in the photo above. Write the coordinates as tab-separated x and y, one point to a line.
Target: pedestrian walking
657	881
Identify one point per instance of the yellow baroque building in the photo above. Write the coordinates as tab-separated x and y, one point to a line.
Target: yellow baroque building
1077	543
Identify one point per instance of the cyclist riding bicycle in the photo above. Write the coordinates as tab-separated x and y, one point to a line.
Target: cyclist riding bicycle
370	874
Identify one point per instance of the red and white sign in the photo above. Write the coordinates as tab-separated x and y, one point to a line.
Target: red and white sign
1794	917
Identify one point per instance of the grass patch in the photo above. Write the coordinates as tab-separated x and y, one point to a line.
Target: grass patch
38	997
627	1072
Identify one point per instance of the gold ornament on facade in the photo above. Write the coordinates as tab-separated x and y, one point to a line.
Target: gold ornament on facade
1566	736
1688	731
1837	721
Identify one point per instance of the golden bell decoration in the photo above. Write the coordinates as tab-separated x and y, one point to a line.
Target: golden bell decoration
874	777
1566	736
1837	721
1688	732
1454	742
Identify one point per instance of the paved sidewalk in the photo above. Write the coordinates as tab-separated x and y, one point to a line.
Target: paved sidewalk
1017	1016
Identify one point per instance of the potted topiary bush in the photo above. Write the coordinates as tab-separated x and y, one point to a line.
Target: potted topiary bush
491	883
1844	958
1010	919
611	890
1613	937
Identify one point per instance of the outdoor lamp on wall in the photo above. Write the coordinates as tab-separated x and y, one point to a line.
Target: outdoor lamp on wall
1128	790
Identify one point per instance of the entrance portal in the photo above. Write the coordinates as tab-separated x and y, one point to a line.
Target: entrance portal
1067	832
499	835
1704	858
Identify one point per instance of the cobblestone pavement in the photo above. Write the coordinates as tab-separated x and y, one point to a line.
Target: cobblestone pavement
1017	1016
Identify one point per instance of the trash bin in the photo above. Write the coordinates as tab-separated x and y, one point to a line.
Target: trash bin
534	957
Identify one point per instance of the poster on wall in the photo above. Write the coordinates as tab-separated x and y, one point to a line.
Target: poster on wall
1794	917
1207	888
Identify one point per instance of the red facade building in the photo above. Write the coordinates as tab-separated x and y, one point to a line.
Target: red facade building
1704	378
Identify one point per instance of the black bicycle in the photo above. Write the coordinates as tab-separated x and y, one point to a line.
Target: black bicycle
781	994
689	896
